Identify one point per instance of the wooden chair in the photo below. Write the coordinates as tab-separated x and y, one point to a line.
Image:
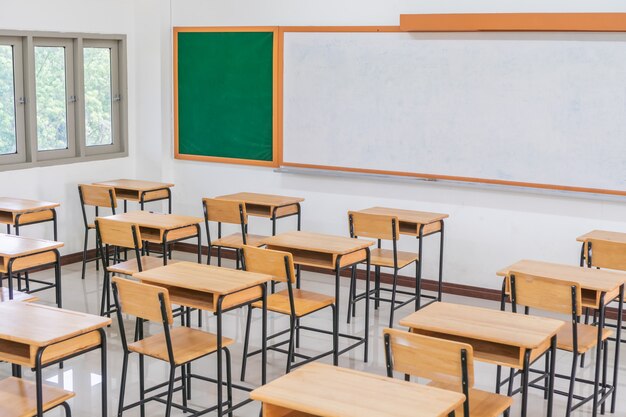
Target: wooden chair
178	346
607	255
97	196
293	302
447	364
18	398
116	235
228	212
562	297
381	227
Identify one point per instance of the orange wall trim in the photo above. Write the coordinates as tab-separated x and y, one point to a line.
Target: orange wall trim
561	22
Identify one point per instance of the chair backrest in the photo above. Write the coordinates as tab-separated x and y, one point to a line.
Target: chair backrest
97	195
439	360
118	233
225	211
604	254
376	226
143	300
546	294
270	262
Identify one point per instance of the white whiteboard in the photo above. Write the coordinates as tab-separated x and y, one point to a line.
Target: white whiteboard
547	108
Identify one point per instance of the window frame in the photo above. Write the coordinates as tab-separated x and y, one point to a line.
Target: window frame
116	98
28	155
19	106
70	103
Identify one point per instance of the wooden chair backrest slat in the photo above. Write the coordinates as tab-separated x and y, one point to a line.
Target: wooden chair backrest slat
225	211
117	233
545	293
269	262
611	255
98	195
438	360
142	300
375	226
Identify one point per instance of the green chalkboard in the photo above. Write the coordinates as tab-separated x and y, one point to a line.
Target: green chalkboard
225	94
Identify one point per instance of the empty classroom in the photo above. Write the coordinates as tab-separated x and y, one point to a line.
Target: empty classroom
312	209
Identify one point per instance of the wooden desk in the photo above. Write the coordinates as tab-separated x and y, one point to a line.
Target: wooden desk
217	290
163	229
140	191
332	253
269	206
38	336
419	224
327	391
18	212
598	287
497	337
19	254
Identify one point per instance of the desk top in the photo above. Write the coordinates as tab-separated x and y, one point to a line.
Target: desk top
12	246
203	278
587	278
38	325
156	220
616	237
18	205
330	391
269	200
408	216
317	242
135	185
512	329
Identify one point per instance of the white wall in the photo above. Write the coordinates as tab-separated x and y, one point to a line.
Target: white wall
487	229
59	183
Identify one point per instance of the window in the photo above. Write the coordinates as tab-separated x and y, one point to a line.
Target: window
61	98
54	98
102	96
11	101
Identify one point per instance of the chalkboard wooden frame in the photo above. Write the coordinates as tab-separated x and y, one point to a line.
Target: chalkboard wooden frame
275	97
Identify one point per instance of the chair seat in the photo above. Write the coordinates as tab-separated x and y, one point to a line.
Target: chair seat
587	337
305	302
187	344
91	226
384	257
18	397
129	267
482	403
235	241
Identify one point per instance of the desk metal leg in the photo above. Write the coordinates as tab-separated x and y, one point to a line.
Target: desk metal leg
220	377
57	279
54	225
525	382
264	337
103	371
552	375
367	304
440	284
618	338
599	346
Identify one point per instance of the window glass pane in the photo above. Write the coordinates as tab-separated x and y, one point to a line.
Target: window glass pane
51	98
98	110
8	136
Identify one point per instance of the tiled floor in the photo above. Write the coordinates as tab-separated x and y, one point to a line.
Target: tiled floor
82	374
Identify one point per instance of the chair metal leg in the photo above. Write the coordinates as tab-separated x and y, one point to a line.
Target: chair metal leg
120	407
170	390
183	374
244	360
290	356
335	336
393	297
572	383
377	286
85	243
68	410
142	394
351	295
